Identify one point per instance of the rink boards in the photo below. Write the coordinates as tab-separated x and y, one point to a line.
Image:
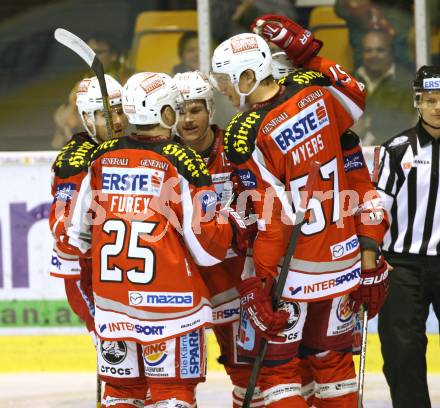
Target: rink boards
36	324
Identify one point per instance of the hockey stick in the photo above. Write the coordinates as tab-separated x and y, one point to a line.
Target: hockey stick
80	48
363	354
282	277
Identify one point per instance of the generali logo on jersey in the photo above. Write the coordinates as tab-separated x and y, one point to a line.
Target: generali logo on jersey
301	126
151	83
244	44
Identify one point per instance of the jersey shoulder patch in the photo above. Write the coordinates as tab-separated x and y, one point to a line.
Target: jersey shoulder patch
104	147
188	163
305	77
74	156
349	140
240	135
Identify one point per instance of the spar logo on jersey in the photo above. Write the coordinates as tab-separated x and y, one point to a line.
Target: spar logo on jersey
344	311
116	180
155	354
160	299
343	248
190	358
113	352
248	178
65	191
353	162
301	126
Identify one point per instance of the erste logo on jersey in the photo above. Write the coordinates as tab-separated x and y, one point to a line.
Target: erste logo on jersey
301	126
116	180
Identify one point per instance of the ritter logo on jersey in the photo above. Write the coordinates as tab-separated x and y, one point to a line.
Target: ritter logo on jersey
300	127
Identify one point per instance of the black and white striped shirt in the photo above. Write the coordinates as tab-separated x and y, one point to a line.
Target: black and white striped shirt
409	184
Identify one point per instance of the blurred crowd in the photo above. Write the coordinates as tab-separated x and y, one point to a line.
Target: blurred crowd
381	47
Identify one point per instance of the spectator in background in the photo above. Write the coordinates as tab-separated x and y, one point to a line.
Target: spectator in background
66	118
188	51
389	96
392	16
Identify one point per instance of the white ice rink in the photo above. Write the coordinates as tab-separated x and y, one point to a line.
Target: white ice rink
67	390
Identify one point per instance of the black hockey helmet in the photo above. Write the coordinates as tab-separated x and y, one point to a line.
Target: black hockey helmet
427	78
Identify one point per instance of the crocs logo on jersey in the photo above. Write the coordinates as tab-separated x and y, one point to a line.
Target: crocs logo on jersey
190	362
343	248
151	83
301	126
117	180
244	44
431	83
155	354
344	311
113	352
294	313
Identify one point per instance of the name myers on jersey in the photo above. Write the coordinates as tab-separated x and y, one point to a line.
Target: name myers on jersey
116	180
160	299
301	126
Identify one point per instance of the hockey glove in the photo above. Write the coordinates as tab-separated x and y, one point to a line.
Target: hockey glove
240	235
373	289
256	302
299	44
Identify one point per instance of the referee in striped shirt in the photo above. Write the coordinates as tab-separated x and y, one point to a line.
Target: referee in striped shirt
410	186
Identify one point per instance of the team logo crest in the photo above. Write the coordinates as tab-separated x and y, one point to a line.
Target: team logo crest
113	352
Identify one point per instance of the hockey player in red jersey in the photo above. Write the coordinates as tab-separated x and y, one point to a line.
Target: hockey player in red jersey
286	125
146	212
119	362
195	128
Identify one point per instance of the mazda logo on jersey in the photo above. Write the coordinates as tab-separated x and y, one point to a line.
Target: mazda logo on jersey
301	126
343	248
113	352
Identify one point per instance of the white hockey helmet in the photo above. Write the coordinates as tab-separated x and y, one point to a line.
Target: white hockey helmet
281	65
145	94
239	53
193	85
89	99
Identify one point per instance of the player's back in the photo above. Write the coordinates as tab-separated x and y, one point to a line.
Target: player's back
143	272
303	124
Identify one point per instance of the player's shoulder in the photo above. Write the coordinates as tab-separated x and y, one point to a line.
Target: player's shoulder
187	162
399	143
302	78
241	133
74	155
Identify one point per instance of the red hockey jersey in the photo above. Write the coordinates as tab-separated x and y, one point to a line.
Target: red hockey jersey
275	144
146	211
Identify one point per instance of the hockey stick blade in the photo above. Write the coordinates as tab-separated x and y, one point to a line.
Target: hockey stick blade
282	277
75	43
79	47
